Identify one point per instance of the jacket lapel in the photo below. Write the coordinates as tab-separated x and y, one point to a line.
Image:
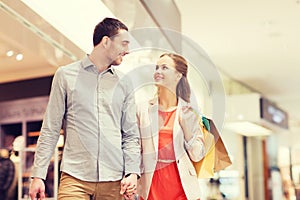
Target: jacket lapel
177	132
153	114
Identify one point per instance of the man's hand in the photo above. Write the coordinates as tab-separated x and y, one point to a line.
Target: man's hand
129	186
37	189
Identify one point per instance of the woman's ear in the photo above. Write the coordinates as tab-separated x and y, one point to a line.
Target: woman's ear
179	75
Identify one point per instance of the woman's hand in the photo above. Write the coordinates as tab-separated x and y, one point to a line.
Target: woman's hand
187	120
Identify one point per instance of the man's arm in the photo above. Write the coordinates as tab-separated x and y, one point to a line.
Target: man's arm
49	135
130	135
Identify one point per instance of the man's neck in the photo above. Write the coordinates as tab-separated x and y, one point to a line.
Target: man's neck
99	61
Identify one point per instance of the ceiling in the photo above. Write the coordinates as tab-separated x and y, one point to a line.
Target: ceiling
42	46
255	42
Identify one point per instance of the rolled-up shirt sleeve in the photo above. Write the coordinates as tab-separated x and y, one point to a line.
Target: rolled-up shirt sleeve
130	134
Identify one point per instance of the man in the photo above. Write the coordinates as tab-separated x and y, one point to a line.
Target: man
102	139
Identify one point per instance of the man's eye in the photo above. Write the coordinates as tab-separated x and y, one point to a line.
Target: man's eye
164	67
125	43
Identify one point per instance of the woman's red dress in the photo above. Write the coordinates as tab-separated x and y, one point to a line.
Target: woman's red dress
166	183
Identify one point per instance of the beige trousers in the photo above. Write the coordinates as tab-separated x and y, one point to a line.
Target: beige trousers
71	188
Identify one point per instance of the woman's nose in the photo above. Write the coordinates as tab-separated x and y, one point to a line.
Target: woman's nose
157	70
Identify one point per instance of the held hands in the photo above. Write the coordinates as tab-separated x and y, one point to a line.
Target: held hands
129	186
37	189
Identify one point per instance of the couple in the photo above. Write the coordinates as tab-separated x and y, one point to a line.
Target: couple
113	151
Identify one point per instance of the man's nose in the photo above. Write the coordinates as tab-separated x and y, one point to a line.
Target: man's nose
125	53
126	49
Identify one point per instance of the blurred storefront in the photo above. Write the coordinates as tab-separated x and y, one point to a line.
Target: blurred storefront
265	164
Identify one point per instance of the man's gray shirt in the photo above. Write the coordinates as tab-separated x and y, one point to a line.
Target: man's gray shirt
102	138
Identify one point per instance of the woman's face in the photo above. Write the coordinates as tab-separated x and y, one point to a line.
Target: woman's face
166	74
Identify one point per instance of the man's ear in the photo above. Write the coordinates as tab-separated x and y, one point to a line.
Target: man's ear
105	41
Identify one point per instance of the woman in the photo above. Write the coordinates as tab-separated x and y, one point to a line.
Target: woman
170	136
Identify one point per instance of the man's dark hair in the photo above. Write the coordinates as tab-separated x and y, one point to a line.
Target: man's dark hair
107	27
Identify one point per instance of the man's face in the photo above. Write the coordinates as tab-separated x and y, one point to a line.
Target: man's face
119	47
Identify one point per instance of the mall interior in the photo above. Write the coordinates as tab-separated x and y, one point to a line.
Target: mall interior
244	74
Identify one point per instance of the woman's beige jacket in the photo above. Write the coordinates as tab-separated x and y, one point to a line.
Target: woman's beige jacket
194	149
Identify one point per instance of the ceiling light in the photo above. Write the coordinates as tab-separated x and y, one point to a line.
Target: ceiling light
19	57
247	128
240	117
10	53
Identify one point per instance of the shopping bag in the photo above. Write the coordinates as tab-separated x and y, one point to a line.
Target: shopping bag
216	157
222	159
205	167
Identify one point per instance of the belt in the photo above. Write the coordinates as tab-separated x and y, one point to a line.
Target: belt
165	161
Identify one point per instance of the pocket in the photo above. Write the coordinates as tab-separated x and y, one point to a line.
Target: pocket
189	166
142	168
192	171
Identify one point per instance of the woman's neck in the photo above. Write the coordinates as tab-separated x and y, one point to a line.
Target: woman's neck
167	100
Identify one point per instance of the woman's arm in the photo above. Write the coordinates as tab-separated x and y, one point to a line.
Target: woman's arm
193	135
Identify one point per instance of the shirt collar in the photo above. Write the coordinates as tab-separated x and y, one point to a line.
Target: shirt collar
87	63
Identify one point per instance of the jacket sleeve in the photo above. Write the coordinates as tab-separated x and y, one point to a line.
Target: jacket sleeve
191	126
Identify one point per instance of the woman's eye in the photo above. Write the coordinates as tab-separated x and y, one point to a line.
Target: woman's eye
162	67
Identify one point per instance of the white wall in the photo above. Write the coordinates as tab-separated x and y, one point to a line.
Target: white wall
255	168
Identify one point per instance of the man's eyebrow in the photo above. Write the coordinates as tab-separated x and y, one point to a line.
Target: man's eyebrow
126	40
